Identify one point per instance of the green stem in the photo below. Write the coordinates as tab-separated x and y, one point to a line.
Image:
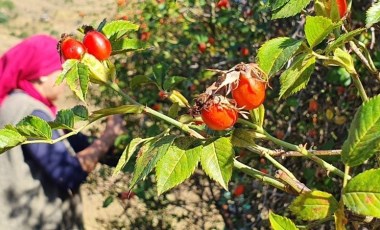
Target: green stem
267	154
358	84
293	147
259	175
154	113
346	175
367	62
304	152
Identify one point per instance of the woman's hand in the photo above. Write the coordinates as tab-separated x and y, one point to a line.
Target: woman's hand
90	156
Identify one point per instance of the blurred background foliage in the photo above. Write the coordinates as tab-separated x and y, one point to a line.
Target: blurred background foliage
186	38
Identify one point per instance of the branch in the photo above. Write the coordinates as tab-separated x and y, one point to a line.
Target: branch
283	153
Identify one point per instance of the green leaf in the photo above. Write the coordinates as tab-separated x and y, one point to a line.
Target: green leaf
291	8
99	73
170	82
176	97
127	44
278	222
244	137
139	80
297	76
63	120
118	28
66	68
128	152
314	205
217	160
317	28
154	150
124	109
275	4
258	115
344	38
173	110
34	127
160	72
343	59
10	138
177	164
107	201
80	112
77	79
373	14
362	193
363	139
274	53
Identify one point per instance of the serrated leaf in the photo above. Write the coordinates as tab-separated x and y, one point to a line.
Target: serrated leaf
297	76
373	14
118	28
314	205
34	127
67	65
124	109
217	160
362	193
149	156
291	8
363	139
344	38
128	152
177	164
278	222
275	53
63	120
10	138
77	79
127	44
317	28
80	112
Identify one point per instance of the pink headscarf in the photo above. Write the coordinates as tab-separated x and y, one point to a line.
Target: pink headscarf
33	58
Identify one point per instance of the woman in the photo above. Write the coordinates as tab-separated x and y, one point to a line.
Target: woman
39	182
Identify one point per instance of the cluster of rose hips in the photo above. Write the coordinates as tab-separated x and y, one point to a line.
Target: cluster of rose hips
247	85
94	43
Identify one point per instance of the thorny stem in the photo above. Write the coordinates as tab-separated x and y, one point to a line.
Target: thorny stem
240	166
267	153
282	153
259	175
296	185
299	149
303	151
363	59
